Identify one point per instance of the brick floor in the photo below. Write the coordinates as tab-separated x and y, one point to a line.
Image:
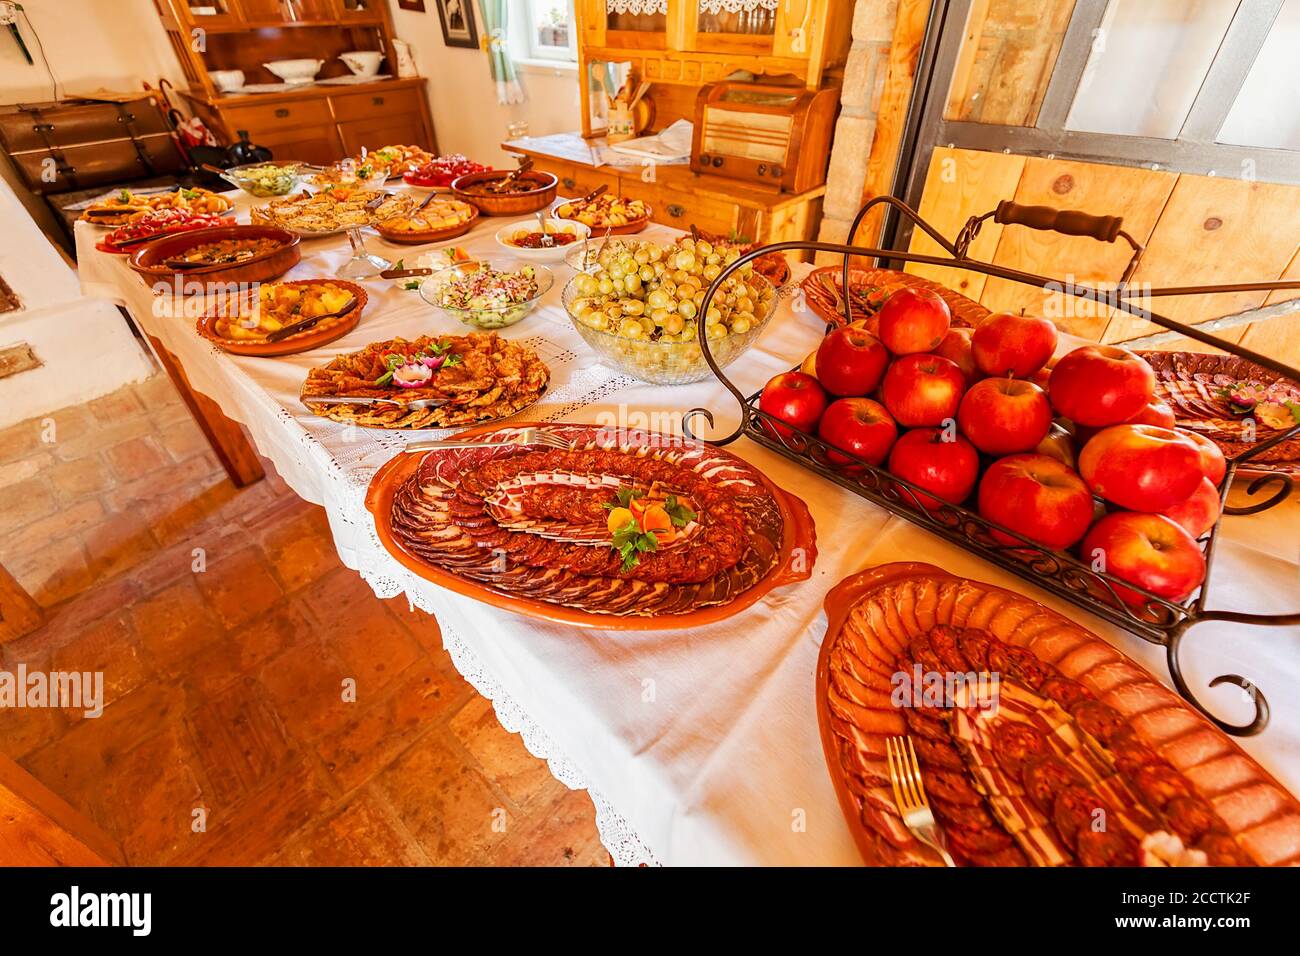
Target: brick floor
226	737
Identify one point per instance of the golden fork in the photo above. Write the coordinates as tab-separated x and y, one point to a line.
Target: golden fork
909	794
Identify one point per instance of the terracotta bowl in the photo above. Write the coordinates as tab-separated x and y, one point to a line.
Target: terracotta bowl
430	235
206	326
147	261
541	195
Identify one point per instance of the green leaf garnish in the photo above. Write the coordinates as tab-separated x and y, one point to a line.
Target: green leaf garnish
678	513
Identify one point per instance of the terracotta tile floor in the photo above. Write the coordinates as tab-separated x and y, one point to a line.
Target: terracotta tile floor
223	686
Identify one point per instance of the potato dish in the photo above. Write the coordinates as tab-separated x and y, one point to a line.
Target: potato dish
604	211
281	304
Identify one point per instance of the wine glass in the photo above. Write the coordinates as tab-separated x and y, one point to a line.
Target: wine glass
363	264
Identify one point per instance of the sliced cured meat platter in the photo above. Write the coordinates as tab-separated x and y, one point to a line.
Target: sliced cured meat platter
1057	750
528	528
1199	387
870	287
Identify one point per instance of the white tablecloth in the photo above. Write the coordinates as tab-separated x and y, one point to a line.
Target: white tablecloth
701	746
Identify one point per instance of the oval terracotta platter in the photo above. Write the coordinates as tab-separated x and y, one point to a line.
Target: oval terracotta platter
303	341
1038	742
527	529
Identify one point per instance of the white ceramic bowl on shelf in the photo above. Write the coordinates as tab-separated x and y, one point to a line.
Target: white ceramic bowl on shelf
362	62
227	81
295	71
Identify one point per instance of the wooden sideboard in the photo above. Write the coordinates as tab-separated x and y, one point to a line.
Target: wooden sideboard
323	124
317	123
679	197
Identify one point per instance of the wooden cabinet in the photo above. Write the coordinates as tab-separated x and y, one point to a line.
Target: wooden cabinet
702	41
311	144
319	123
679	197
319	126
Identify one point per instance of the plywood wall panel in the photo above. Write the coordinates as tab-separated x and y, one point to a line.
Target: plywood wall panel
1215	230
961	183
1005	64
1138	195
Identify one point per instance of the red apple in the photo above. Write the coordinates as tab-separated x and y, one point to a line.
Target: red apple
1003	416
851	362
1212	461
859	426
1058	444
1154	413
1147	550
1100	385
1037	496
1019	345
913	320
794	398
1141	467
938	461
922	390
956	347
1197	514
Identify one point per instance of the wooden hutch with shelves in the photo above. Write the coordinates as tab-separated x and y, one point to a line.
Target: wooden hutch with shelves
314	123
678	46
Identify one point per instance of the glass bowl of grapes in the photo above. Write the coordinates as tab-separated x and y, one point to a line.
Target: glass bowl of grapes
638	307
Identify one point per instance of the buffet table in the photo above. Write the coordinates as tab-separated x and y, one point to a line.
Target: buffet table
698	746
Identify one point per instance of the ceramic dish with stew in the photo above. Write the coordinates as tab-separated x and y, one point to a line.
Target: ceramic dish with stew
223	254
495	196
525	240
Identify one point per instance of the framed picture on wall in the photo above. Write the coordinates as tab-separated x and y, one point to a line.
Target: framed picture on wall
457	18
416	5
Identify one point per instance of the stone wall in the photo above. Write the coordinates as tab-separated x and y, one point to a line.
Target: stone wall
864	79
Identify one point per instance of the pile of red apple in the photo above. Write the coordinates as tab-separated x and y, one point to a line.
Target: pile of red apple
1075	455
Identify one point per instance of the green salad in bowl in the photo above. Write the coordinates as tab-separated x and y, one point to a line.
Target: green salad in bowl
487	295
265	179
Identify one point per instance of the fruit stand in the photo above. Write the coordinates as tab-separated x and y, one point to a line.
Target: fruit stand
1055	565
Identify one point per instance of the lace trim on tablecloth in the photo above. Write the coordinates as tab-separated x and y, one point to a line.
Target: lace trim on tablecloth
638	8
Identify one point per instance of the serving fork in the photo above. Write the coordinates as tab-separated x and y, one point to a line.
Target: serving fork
909	794
413	405
525	436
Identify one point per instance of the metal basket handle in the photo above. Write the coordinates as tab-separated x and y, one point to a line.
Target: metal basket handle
1067	222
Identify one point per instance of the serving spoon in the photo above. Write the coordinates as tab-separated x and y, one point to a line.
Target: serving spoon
279	335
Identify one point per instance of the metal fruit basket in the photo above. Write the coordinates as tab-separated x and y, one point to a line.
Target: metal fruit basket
1156	620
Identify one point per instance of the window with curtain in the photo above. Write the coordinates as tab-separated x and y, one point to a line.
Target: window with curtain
552	33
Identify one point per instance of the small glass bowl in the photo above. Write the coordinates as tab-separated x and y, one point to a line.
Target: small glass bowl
264	187
494	318
665	363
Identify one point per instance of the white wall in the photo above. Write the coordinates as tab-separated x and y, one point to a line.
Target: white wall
86	346
466	114
90	44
